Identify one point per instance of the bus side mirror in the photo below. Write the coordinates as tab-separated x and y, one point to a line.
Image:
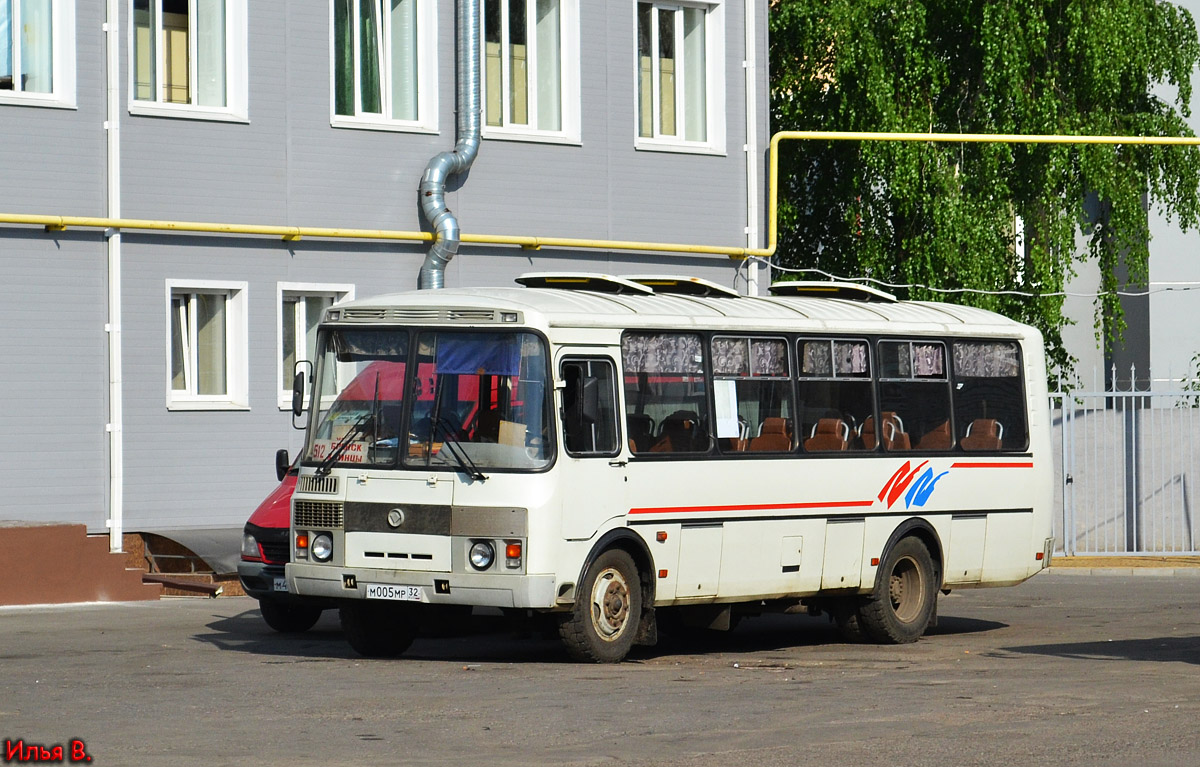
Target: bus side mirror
298	394
282	464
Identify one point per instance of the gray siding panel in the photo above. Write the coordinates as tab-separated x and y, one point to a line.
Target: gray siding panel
53	463
288	165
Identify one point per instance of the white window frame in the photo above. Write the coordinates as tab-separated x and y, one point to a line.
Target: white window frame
569	78
714	75
236	107
427	76
286	290
236	347
62	25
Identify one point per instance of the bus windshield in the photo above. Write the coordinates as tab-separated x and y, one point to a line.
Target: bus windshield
479	401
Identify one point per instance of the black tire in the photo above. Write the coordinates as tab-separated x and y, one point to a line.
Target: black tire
905	596
378	630
603	623
849	624
288	619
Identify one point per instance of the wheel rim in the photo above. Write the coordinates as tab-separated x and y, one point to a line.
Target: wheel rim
906	590
610	604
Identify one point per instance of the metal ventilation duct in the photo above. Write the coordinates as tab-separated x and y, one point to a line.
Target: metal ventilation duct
458	160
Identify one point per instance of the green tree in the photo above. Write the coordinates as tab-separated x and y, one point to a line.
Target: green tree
943	215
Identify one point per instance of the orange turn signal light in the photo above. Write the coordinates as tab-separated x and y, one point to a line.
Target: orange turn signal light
1040	556
660	536
302	541
513	551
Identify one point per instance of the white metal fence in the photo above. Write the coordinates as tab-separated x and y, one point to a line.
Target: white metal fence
1127	465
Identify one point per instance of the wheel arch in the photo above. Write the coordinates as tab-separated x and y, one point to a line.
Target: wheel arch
633	545
921	529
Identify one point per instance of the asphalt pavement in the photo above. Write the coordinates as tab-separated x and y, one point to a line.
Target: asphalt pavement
1068	669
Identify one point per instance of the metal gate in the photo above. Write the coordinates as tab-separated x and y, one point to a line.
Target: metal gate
1127	466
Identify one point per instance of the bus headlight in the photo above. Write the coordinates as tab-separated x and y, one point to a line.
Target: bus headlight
322	547
482	555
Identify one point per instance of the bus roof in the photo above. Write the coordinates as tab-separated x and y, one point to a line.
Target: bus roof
582	308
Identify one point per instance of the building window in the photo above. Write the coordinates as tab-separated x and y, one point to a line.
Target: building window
301	307
207	345
384	54
37	52
680	84
189	57
531	69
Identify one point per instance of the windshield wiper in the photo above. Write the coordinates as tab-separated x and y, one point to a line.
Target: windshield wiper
449	442
357	428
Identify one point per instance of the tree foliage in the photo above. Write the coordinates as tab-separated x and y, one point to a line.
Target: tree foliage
942	215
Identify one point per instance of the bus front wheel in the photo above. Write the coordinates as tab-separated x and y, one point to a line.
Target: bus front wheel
378	631
902	605
603	623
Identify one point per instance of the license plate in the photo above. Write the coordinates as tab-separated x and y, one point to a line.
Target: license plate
399	593
280	584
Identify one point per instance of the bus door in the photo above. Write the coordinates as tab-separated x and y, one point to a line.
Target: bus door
591	469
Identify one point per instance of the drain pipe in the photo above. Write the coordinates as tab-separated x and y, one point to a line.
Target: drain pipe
458	160
116	386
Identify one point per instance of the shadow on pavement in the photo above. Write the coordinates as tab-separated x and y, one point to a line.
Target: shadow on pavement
494	637
949	625
1158	649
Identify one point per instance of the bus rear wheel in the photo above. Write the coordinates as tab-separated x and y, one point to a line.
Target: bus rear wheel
603	623
902	605
378	631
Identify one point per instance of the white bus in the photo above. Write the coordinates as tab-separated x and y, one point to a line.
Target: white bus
622	453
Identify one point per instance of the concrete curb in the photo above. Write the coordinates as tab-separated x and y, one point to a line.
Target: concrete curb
1126	572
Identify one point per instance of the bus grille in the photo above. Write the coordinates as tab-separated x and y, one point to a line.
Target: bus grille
318	514
311	484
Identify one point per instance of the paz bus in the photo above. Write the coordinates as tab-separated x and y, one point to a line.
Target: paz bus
618	454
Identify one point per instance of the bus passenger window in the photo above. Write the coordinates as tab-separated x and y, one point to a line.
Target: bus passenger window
753	394
589	407
666	393
836	396
989	401
914	396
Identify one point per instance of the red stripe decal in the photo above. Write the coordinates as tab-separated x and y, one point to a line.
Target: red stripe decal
992	465
760	507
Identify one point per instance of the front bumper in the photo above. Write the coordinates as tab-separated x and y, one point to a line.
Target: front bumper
258	581
476	589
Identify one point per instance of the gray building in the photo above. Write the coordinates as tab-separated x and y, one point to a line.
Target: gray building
145	367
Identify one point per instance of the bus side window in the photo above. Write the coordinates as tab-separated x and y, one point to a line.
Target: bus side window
989	401
836	395
752	391
914	396
665	384
589	407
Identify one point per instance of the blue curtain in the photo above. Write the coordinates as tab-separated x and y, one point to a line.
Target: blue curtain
479	354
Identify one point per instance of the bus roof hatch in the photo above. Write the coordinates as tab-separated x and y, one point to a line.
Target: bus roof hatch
847	290
601	283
